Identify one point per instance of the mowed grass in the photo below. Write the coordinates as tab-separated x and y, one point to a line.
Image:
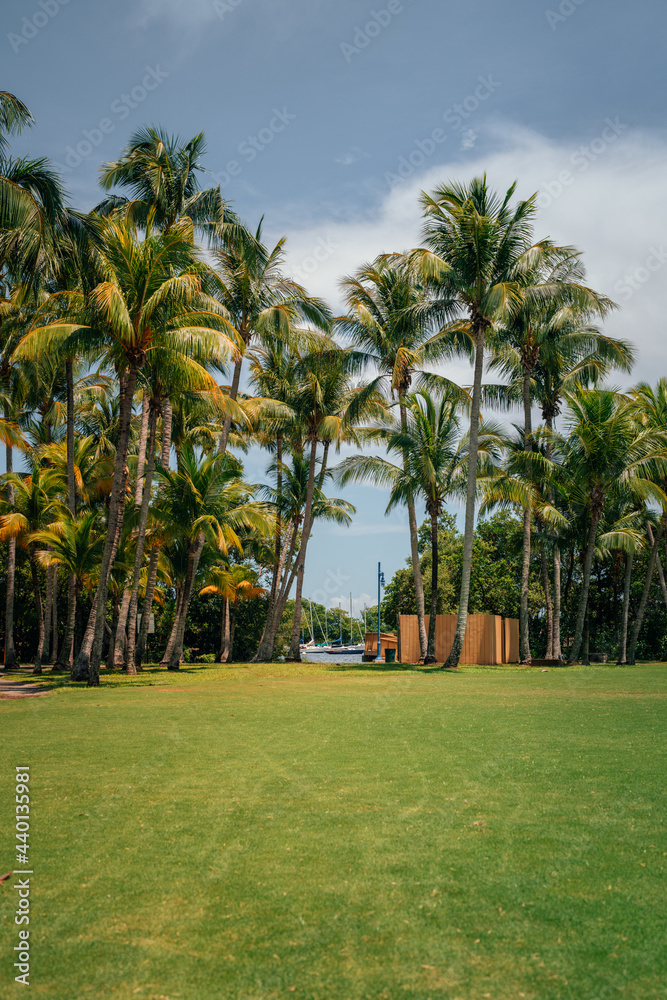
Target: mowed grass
251	833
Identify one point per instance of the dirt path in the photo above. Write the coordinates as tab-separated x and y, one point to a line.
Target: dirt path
20	689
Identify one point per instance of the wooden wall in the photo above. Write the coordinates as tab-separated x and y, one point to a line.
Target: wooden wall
488	639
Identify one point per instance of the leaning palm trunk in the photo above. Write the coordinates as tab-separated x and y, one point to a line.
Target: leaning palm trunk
119	645
81	667
623	645
10	652
464	593
276	606
193	563
127	383
575	649
414	546
167	413
294	654
430	647
144	498
37	592
54	615
636	628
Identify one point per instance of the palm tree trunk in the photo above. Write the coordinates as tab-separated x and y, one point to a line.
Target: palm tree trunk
144	500
623	644
524	625
294	654
225	643
557	651
464	593
165	451
636	628
48	610
661	575
233	393
119	644
430	648
585	656
54	616
275	609
11	659
232	631
127	383
549	655
37	593
279	492
414	545
575	648
65	658
141	450
193	562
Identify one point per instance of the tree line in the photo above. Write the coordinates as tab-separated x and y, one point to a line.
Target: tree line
147	344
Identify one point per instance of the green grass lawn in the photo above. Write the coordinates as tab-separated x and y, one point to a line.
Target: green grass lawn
248	833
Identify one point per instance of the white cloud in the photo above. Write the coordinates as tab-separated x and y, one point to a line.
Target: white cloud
605	195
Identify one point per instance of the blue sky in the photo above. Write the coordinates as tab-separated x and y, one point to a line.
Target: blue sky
329	116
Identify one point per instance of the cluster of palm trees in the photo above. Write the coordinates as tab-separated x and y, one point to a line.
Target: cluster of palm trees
146	345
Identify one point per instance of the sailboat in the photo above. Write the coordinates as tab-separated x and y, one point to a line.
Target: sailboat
337	648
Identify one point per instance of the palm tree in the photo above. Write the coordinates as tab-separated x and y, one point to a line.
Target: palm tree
76	545
162	173
604	452
260	301
650	409
325	401
151	299
391	317
36	503
436	469
481	255
204	500
233	584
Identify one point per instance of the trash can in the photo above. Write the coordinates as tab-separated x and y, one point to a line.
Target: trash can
390	656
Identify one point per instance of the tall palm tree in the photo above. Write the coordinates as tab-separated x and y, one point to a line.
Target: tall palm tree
36	503
151	299
436	469
391	316
481	254
543	316
605	451
204	501
76	545
325	400
650	408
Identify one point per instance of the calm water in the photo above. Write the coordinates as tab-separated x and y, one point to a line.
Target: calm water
317	657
